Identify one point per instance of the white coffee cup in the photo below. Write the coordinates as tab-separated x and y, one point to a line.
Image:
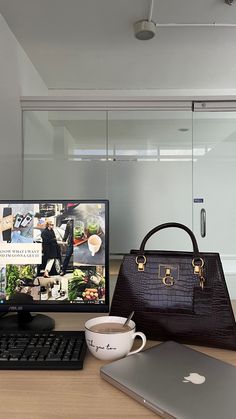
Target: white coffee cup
94	243
113	345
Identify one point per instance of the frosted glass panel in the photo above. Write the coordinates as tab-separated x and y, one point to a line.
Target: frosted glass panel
82	180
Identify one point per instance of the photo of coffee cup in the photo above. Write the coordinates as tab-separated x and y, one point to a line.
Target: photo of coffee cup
94	243
107	339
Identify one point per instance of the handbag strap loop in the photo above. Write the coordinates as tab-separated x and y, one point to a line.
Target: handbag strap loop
167	225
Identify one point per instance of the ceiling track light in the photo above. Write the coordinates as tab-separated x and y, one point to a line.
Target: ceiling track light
145	29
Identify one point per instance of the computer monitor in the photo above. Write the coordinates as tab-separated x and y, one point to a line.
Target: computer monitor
54	257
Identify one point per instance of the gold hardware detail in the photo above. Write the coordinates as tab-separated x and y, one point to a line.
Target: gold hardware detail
168	280
168	270
194	264
202	280
198	271
141	264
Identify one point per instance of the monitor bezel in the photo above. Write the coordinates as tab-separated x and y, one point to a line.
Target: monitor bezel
41	307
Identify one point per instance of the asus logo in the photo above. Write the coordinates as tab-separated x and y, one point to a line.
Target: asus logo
15	308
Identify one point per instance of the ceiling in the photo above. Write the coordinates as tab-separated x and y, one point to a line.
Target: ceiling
90	44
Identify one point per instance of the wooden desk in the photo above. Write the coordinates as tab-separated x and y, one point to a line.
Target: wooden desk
73	394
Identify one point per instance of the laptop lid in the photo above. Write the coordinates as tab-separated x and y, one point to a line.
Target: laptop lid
176	382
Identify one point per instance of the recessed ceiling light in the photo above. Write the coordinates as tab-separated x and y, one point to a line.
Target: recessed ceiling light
183	129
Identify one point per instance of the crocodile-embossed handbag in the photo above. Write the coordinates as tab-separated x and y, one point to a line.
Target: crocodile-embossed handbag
179	296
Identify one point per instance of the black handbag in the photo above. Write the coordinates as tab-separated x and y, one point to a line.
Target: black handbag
179	296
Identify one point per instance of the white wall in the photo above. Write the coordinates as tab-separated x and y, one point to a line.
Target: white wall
17	77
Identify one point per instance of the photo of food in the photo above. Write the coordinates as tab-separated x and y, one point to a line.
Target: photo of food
87	284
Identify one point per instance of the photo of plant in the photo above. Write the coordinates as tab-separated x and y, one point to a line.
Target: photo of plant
19	276
2	282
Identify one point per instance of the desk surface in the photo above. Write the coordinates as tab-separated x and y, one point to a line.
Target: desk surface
74	394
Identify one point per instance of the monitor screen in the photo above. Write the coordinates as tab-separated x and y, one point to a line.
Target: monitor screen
54	256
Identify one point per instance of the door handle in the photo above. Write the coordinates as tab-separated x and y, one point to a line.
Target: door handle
203	222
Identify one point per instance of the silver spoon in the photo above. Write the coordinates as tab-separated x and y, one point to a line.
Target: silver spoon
128	319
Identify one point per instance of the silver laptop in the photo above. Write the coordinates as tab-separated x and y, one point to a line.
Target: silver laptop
177	382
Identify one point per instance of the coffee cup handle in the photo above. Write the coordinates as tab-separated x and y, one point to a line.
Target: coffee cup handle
144	340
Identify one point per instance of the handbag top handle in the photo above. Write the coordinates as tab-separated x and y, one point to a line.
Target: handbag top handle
167	225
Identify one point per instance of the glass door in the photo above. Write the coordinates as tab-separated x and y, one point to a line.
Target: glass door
214	174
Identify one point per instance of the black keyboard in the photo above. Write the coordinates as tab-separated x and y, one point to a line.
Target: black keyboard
42	350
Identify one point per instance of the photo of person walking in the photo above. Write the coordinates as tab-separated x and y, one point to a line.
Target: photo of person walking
50	247
68	238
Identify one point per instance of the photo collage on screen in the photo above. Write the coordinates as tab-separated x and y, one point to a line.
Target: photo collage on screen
71	238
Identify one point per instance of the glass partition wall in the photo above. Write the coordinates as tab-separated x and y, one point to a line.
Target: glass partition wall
141	160
154	165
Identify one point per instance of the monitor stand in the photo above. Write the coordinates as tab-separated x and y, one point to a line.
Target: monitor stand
26	321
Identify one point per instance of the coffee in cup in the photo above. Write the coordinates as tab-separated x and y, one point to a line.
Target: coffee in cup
110	328
108	339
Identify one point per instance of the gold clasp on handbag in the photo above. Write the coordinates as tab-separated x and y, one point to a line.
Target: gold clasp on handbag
202	280
198	270
141	262
168	280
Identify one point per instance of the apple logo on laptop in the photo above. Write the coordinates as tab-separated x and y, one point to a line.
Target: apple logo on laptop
194	378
